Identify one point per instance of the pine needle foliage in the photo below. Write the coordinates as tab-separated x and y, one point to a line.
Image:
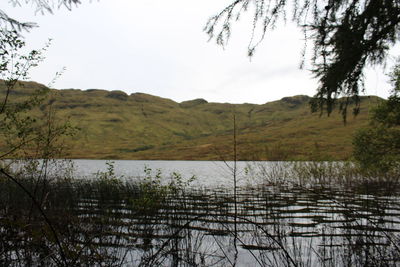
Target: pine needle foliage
346	36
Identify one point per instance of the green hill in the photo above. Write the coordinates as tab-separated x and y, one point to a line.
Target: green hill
114	125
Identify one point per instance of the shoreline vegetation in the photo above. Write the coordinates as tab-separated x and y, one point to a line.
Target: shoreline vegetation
296	214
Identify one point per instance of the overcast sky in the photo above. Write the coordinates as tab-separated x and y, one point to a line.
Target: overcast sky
159	47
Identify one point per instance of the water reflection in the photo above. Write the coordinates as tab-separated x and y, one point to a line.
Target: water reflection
272	226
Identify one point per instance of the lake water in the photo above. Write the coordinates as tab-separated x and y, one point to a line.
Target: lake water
207	173
207	224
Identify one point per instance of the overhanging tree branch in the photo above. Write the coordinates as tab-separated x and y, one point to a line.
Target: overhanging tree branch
41	6
346	35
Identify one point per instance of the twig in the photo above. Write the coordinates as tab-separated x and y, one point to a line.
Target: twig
41	211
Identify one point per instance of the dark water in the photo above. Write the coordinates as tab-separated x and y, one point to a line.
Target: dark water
209	225
269	226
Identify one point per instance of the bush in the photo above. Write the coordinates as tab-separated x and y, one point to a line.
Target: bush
377	148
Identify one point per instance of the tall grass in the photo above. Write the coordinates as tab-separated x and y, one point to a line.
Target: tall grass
322	174
154	221
42	208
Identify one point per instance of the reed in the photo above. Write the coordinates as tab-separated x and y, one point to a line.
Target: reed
154	220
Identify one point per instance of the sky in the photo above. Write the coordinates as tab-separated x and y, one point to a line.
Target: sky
159	47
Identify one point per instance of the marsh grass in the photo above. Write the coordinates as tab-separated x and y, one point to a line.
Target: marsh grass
153	221
322	173
90	216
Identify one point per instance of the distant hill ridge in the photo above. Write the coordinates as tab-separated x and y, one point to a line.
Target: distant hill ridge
115	125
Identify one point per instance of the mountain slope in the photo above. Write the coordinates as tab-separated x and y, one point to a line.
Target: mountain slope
115	125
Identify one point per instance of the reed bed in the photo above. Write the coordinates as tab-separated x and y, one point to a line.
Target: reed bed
158	221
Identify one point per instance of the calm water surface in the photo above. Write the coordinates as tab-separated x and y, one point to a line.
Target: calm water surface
265	225
207	173
208	225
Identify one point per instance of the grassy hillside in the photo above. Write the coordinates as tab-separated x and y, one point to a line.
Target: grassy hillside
114	125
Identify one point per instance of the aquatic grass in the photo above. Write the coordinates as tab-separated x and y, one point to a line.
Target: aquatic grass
91	217
311	174
272	225
59	202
